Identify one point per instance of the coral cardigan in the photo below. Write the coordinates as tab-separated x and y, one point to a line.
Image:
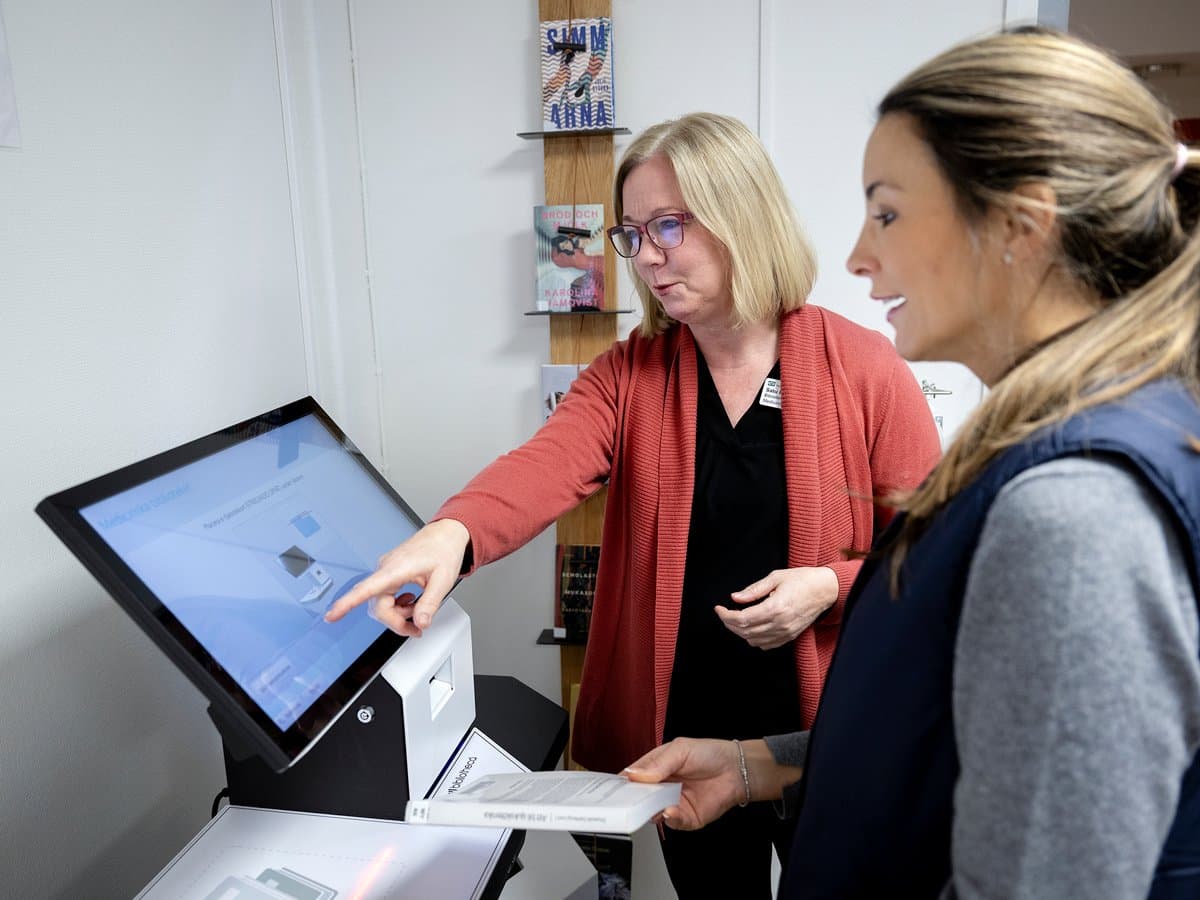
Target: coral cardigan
855	426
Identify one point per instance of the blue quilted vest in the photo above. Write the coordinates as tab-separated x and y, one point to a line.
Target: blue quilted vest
882	763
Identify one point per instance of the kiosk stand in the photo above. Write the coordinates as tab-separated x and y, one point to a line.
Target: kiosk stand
387	747
226	551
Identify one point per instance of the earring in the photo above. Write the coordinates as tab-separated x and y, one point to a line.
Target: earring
1007	257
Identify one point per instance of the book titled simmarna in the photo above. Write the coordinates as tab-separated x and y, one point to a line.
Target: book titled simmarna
549	801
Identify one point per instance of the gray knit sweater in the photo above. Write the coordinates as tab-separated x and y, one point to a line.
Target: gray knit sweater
1076	689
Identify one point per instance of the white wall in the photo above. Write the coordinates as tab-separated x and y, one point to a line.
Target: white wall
320	122
148	294
829	67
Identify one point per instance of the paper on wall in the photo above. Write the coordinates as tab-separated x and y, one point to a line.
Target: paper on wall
10	128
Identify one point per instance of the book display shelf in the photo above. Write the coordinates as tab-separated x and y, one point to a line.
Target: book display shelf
578	168
578	312
538	135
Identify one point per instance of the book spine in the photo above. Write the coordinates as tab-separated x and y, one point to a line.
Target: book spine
515	815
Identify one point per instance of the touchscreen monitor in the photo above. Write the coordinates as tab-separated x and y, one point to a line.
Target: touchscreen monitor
228	550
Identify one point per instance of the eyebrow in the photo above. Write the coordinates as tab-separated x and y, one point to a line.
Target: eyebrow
654	214
876	184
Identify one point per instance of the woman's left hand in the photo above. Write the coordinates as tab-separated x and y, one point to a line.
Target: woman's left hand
794	600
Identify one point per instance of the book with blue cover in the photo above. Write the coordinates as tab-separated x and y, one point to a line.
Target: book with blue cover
577	73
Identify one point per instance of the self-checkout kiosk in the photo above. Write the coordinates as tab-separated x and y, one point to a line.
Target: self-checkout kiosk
227	552
416	711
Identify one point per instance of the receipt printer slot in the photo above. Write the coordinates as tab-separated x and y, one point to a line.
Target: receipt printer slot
441	686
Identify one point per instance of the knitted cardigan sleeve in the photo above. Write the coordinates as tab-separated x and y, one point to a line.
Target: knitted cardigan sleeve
522	492
901	439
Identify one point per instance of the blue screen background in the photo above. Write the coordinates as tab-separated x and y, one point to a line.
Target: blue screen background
250	546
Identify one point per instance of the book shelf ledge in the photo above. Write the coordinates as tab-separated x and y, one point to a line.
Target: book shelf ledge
574	132
583	311
547	638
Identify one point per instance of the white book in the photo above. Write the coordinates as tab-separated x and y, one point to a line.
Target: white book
550	801
556	381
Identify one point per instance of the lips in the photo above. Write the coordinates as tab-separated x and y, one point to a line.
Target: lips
895	303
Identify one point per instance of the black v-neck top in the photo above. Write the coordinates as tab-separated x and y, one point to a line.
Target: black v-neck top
720	685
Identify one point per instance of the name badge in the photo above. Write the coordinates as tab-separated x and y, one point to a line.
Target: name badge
771	395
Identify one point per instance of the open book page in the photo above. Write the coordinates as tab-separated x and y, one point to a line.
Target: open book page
568	801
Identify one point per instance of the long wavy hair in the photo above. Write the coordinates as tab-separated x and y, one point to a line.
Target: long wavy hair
1038	106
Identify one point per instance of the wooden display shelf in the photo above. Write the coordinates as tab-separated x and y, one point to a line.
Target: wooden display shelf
578	168
563	132
578	312
547	638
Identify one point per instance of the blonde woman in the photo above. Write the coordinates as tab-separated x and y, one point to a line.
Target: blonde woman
743	435
1014	706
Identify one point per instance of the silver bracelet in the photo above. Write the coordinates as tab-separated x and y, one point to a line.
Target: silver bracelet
742	769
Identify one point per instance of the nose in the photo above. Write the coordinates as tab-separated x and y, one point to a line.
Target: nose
861	261
649	253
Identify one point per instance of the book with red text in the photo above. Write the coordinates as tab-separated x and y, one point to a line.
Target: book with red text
570	256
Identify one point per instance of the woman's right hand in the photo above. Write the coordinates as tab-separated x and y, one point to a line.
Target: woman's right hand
431	559
709	775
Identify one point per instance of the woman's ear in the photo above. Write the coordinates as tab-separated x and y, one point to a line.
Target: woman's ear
1029	224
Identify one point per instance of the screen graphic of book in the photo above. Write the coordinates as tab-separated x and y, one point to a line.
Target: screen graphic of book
570	256
577	74
576	588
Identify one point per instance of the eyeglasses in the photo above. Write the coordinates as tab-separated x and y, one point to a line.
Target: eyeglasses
665	232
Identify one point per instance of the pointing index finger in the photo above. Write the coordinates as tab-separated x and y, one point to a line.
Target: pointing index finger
369	587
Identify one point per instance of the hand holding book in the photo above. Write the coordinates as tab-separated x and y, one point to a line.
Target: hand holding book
714	777
551	801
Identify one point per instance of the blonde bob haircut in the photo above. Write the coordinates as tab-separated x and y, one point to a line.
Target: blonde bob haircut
730	185
1038	107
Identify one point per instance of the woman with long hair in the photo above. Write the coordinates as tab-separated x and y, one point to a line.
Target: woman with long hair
1013	709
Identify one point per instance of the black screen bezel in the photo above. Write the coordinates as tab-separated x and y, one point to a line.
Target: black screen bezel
279	748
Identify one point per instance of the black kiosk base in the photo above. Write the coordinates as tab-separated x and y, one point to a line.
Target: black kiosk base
357	768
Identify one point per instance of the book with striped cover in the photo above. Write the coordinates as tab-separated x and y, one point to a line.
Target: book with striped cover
577	73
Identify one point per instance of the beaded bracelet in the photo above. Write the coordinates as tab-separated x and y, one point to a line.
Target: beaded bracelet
742	769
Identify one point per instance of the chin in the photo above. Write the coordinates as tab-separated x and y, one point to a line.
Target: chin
908	349
679	312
